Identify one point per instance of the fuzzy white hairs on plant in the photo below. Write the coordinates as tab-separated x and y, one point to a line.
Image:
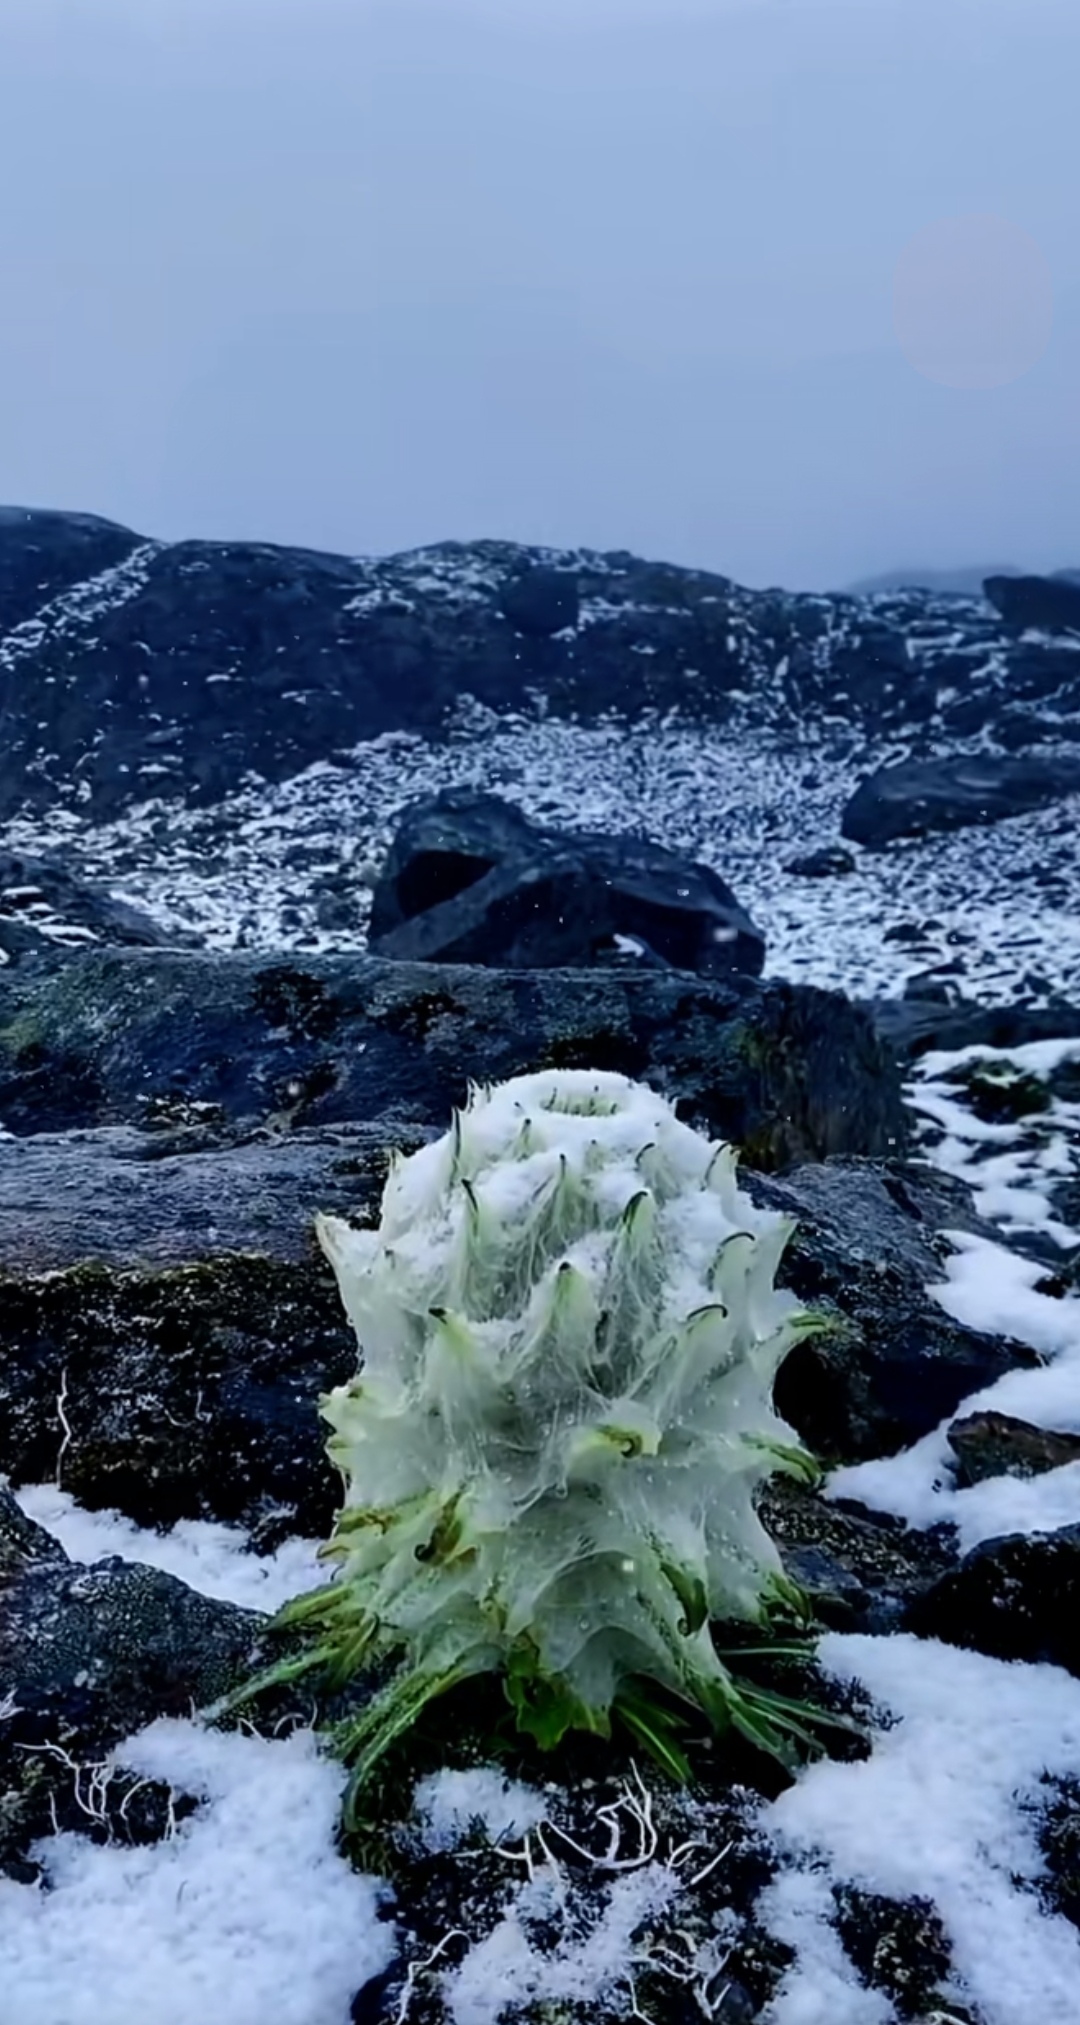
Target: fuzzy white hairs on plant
569	1334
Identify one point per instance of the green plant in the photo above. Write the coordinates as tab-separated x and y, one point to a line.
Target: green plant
569	1332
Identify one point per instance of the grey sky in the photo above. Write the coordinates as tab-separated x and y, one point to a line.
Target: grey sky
363	276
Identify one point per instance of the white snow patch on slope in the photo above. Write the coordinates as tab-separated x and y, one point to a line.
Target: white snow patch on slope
994	1289
247	873
81	604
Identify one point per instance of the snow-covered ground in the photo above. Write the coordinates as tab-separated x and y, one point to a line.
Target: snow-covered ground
246	1911
247	872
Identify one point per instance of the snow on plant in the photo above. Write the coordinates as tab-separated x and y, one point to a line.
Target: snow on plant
569	1333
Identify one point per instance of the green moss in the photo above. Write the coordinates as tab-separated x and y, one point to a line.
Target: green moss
999	1090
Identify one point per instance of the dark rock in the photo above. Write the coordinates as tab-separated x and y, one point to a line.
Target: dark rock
44	554
786	1072
136	668
865	1248
919	796
860	1570
1057	1817
170	1292
898	1946
1051	604
541	601
911	934
469	880
43	905
179	1305
181	1193
829	863
918	1024
89	1655
1013	1598
995	1445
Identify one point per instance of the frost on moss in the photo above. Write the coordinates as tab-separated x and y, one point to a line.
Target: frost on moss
569	1334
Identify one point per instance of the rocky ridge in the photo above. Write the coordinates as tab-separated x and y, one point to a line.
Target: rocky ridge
133	668
172	1118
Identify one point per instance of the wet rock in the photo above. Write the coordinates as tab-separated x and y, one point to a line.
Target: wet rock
860	1570
786	1072
996	1445
865	1249
88	1655
1013	1598
919	796
468	879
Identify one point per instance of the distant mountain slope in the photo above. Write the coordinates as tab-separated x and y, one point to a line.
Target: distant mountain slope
133	669
961	583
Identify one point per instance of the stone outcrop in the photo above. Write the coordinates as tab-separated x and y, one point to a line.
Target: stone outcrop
133	669
468	879
919	796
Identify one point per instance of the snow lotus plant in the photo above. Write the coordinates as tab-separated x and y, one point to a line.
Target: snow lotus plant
569	1333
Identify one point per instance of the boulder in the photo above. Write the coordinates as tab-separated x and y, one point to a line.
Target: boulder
43	905
861	1570
468	879
88	1656
921	1023
1013	1598
830	862
99	1037
988	1444
865	1249
919	796
1050	604
165	1287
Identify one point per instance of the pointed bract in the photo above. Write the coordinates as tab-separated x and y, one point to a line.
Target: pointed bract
568	1331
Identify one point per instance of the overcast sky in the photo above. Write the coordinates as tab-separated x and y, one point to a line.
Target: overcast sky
610	272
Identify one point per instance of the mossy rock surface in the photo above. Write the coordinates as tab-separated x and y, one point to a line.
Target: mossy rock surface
96	1037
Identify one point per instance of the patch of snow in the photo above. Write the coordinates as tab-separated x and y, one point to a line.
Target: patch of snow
448	1804
81	604
936	1812
507	1971
989	1287
214	1559
245	1914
